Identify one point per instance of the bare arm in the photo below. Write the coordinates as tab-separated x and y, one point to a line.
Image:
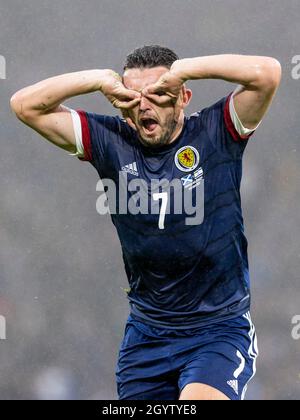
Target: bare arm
40	106
258	77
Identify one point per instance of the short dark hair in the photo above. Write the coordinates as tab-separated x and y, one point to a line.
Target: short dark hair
150	56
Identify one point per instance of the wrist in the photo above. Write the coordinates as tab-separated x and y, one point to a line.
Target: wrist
179	69
105	75
193	68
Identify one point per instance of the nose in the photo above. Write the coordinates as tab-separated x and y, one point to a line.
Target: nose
144	104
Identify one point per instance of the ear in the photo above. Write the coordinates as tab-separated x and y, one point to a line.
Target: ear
186	96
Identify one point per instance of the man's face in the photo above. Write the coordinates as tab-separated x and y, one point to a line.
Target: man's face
155	124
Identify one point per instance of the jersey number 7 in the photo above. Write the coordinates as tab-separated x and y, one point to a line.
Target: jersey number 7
162	213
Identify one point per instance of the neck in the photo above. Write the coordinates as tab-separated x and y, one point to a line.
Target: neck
178	129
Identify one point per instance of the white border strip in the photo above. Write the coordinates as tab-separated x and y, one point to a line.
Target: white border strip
243	131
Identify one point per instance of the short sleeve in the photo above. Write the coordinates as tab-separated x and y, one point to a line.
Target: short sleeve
93	136
221	130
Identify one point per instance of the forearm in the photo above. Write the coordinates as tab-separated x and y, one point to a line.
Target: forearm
250	71
45	96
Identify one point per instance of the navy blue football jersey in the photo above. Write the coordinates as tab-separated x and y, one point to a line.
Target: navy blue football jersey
184	269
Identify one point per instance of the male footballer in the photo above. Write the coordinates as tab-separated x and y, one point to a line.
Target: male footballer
189	335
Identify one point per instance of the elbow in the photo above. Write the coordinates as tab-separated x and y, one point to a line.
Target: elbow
269	74
14	103
19	107
274	73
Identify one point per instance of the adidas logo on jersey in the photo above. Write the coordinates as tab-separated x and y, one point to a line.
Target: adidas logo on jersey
131	169
234	385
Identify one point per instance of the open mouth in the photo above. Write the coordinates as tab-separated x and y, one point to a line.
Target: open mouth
149	124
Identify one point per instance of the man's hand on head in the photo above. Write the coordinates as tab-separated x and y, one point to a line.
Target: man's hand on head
117	94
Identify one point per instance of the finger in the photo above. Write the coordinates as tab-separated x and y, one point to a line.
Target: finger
159	91
161	99
129	93
152	89
117	102
127	104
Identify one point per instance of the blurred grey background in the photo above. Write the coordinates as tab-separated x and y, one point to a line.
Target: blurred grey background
61	272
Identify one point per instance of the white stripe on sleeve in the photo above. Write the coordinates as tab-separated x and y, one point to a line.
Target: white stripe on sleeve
243	131
78	133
